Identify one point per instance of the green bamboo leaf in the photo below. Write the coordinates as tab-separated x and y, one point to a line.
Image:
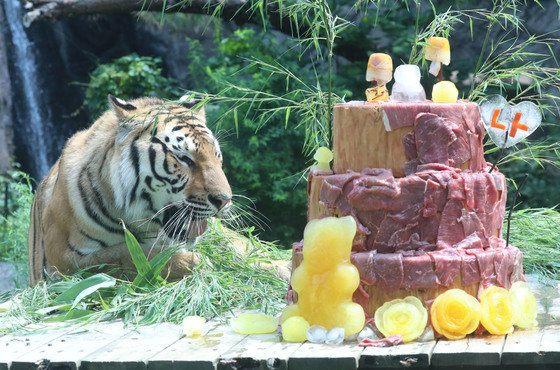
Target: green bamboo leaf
138	257
152	276
287	116
47	310
71	315
83	288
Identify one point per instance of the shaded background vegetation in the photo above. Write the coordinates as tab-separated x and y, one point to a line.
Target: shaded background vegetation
264	160
270	108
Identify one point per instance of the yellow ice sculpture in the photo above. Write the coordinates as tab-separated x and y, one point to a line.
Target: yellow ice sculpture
379	72
323	156
406	317
524	304
498	315
445	92
326	280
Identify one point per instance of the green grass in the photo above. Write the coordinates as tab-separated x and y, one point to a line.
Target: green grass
537	233
14	225
225	280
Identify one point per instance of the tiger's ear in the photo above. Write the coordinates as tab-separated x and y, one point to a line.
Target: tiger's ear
122	109
193	102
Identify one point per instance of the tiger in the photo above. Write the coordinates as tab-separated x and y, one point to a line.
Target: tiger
147	164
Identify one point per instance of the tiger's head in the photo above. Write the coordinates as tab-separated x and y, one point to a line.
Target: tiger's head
171	165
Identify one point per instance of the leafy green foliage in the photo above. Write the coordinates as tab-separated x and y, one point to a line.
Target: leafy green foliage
536	233
15	224
223	281
128	77
259	80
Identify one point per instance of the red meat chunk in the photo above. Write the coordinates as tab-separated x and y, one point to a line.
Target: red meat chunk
388	270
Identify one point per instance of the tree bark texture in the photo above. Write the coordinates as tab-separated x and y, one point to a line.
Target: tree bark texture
239	11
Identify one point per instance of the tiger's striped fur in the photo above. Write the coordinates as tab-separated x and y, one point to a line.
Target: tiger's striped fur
147	163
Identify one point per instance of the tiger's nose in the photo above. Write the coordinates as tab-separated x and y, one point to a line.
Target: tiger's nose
219	201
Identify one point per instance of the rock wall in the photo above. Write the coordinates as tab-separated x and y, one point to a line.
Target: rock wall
5	104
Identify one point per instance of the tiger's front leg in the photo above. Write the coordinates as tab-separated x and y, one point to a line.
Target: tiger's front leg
118	256
181	264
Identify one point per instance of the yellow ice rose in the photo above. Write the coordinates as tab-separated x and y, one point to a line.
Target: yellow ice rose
524	305
498	315
406	317
455	314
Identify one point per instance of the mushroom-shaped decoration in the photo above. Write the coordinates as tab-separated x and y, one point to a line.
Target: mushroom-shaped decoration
379	72
437	51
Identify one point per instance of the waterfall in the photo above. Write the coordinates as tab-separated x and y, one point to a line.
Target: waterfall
32	121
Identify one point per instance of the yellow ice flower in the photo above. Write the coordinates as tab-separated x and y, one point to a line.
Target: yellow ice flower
498	314
524	305
406	317
455	314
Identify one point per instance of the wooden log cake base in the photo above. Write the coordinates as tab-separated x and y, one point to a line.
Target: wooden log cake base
400	136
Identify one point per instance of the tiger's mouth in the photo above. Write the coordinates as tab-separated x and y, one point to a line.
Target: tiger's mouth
185	222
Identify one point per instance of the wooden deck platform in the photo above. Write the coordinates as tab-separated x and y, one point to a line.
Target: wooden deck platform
111	346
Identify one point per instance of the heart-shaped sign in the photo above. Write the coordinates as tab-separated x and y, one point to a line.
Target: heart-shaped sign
507	125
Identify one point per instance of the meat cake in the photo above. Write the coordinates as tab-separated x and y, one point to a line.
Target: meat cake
429	213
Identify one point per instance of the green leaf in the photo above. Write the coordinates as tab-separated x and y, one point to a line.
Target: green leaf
152	276
84	288
71	315
47	310
138	257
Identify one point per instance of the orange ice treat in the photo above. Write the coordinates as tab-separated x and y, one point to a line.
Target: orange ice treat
326	280
438	52
379	68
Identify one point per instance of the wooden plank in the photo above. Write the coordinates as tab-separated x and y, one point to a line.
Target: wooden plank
414	354
324	356
67	351
133	350
445	352
266	351
197	353
522	347
13	346
484	350
549	349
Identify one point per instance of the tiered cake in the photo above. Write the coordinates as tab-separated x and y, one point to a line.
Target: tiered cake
429	212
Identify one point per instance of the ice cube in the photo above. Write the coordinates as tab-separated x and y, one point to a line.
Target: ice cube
367	332
407	85
351	338
427	335
407	73
316	334
335	336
